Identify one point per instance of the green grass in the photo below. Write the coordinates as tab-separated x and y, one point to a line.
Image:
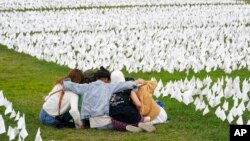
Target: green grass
25	80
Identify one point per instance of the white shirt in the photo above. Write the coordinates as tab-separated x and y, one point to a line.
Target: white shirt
69	103
99	121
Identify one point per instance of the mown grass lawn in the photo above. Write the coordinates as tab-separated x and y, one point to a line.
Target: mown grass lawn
25	80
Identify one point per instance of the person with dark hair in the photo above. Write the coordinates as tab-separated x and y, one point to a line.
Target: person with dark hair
61	106
103	75
89	76
96	96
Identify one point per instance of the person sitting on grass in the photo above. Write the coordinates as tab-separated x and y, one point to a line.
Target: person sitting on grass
149	107
61	106
96	96
124	109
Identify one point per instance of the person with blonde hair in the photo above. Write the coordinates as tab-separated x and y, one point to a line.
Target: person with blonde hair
149	107
125	109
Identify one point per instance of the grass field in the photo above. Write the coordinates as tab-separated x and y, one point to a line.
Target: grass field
25	80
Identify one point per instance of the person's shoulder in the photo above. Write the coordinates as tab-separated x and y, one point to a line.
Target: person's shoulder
57	87
69	93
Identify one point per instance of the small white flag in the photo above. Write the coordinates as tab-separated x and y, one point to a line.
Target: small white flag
21	122
13	114
218	112
1	95
248	106
2	102
1	99
6	102
242	106
8	109
12	132
38	136
234	111
225	106
223	115
239	121
205	111
230	117
178	97
2	125
17	116
23	133
239	111
248	122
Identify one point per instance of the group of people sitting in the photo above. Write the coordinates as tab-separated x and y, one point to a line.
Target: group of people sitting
106	101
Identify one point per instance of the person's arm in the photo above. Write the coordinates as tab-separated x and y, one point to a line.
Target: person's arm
116	87
135	100
74	112
75	87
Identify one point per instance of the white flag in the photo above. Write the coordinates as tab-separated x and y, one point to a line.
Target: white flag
248	106
205	111
23	133
8	109
248	122
38	136
1	95
13	114
239	121
223	115
230	117
17	116
12	132
2	102
2	125
21	122
1	99
225	106
218	112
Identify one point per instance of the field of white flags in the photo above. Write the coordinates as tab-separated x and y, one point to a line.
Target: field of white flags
43	4
19	130
164	36
225	96
150	38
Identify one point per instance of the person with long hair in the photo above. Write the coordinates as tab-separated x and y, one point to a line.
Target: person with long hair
61	106
125	108
96	96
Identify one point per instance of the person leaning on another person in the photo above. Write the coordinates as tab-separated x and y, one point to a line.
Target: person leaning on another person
124	109
148	105
96	96
61	106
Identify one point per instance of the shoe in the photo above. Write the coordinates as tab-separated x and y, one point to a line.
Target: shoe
133	129
147	127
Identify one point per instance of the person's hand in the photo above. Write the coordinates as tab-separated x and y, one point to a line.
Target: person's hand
79	126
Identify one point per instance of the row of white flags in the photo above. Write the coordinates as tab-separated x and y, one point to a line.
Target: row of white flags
144	38
43	4
20	129
119	19
206	95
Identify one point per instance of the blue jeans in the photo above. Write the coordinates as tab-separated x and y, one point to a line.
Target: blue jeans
47	119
